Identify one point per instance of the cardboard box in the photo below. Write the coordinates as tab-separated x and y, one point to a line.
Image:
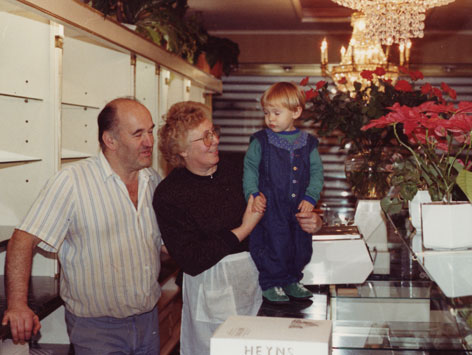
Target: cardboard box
245	335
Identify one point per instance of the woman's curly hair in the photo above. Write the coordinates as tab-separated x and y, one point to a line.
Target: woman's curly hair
180	119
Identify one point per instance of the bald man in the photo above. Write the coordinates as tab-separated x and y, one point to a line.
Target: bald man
97	216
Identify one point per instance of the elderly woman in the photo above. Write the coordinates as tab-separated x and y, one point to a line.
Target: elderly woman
205	222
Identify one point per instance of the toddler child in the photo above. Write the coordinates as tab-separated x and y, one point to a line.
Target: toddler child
282	167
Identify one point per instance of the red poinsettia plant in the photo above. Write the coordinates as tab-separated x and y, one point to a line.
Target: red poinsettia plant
438	136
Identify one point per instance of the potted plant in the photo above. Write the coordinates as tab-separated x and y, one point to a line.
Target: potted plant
165	22
129	12
369	161
222	55
171	27
438	137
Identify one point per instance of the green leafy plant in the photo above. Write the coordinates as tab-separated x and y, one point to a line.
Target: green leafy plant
168	24
128	11
165	22
177	32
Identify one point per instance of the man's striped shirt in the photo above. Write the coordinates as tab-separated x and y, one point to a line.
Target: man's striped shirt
108	248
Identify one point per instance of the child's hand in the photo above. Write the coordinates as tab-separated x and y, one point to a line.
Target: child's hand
305	206
259	203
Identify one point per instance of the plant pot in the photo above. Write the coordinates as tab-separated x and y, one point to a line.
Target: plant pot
446	225
217	70
372	224
130	26
202	63
414	206
451	271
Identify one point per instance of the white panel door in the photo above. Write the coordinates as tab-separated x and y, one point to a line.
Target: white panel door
92	76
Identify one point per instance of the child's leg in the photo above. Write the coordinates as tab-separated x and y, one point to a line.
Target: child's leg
272	250
303	249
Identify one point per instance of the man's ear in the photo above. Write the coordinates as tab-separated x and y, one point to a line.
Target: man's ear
109	140
297	113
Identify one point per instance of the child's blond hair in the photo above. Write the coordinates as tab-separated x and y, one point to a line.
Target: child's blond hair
284	93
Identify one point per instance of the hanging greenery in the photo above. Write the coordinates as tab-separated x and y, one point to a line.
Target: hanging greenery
168	24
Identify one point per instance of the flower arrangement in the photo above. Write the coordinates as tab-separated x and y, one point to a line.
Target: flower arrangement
438	136
344	114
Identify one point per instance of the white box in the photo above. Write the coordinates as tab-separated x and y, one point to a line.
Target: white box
246	335
338	262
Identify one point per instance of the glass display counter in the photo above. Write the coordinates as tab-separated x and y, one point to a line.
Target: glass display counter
399	309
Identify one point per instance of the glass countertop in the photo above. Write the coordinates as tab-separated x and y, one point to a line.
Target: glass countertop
399	309
384	290
449	268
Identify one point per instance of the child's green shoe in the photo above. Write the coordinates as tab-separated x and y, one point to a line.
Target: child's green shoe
275	295
298	291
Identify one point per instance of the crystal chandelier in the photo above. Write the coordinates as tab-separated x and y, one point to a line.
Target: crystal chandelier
363	53
393	21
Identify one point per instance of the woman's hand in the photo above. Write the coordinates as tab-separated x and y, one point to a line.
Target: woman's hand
305	206
259	204
250	220
310	222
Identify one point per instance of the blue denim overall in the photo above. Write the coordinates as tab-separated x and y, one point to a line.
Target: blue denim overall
278	246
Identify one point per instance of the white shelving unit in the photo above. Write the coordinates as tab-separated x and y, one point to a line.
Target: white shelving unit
92	76
58	71
60	63
28	142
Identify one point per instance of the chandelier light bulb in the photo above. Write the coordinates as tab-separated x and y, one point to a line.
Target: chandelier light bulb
324	51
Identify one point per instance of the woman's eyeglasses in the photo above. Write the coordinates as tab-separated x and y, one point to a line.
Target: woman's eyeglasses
209	135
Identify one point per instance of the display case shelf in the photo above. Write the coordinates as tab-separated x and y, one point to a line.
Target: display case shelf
448	267
403	311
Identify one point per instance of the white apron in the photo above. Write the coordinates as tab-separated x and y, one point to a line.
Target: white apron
230	287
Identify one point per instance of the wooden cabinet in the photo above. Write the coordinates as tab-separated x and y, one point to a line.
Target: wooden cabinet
169	305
